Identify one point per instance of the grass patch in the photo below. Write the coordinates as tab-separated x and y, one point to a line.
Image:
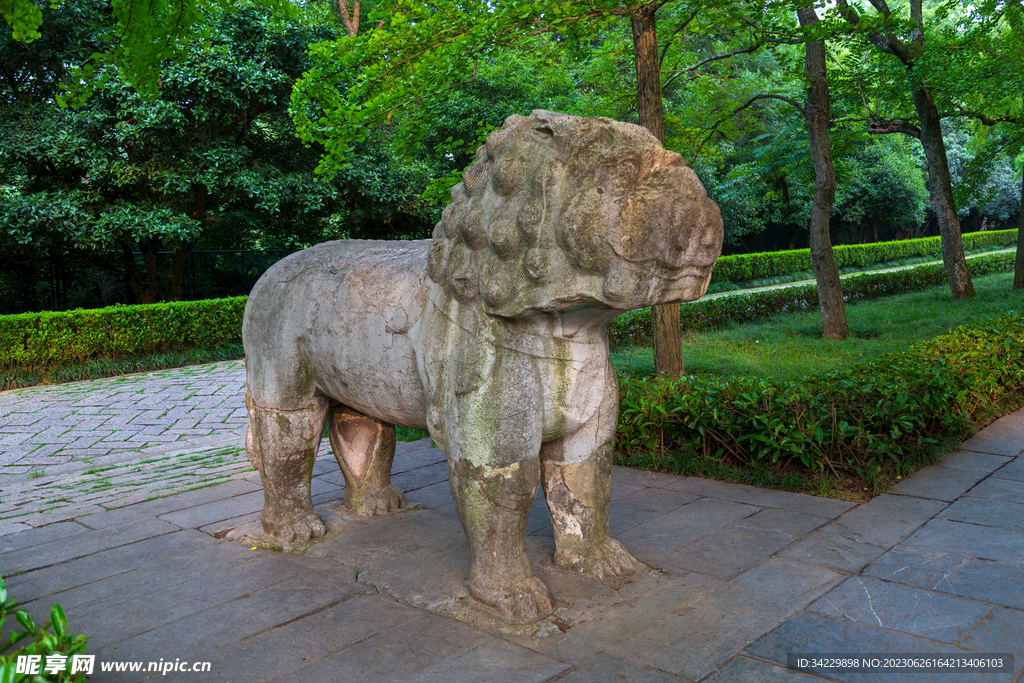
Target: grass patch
409	434
789	346
112	367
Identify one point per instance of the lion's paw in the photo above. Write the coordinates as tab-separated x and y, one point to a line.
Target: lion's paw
378	501
294	530
523	601
605	560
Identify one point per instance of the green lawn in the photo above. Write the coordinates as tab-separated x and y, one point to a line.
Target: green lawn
788	346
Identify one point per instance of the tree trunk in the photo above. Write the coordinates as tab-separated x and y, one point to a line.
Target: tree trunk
830	288
668	342
1018	266
151	293
940	187
174	277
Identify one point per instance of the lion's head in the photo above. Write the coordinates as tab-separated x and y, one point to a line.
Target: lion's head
561	211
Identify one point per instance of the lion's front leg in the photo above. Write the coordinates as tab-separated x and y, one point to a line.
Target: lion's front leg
493	505
577	478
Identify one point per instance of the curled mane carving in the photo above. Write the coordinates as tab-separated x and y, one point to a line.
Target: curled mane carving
533	223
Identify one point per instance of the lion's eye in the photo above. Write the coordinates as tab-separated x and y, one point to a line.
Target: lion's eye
544	132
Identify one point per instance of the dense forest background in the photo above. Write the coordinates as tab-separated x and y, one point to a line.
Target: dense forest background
248	146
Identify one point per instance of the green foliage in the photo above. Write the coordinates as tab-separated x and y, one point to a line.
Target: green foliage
45	341
633	327
139	37
860	422
53	638
211	160
744	267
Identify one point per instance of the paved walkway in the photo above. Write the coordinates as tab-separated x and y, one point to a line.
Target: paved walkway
745	578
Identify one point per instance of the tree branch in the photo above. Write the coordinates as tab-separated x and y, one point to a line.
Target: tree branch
982	118
714	127
889	127
715	58
679	29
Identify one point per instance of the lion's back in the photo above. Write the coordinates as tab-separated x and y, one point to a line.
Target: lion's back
335	317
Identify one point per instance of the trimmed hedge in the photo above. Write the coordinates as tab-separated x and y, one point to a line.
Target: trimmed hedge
43	341
633	328
743	267
852	422
33	342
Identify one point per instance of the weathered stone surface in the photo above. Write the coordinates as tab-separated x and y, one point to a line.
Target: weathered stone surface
901	608
106	563
940	482
747	670
674	530
137	583
1014	470
644	505
1002	513
620	621
303	642
886	520
227	622
491	663
818	634
729	551
1002	437
54	552
40	535
834	546
995	488
395	655
134	619
990	543
706	632
492	336
608	669
752	495
954	573
216	511
1001	631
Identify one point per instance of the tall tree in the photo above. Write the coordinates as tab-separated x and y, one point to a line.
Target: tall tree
908	51
665	323
816	113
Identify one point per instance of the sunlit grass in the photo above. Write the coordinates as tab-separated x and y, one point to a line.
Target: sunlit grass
789	346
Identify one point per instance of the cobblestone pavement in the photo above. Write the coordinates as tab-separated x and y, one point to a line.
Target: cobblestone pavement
69	449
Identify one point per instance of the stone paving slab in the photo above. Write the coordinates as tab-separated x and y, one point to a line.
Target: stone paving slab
746	576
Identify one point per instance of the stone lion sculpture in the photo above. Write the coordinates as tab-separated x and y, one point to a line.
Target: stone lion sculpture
492	336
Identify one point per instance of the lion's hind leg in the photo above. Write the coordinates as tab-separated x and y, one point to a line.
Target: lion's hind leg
365	449
283	444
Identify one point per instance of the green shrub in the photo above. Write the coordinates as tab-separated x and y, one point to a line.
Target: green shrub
856	422
43	341
42	643
633	328
744	267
